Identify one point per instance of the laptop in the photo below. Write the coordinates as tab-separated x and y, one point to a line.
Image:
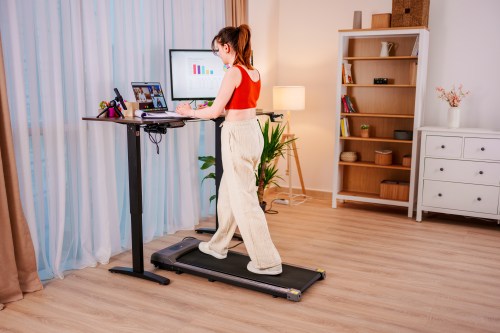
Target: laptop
152	102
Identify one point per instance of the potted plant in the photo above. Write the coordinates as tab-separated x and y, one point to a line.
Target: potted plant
365	130
274	147
208	161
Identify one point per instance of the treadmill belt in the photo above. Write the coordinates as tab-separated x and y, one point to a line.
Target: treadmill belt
236	264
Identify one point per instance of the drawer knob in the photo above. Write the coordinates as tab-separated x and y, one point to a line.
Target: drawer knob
441	169
483	149
443	146
440	195
480	172
479	199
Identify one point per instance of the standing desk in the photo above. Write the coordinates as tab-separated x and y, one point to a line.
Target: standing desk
135	191
135	185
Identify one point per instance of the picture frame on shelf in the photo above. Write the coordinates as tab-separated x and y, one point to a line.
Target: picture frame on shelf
347	71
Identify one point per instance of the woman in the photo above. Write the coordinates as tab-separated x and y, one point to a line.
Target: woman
242	144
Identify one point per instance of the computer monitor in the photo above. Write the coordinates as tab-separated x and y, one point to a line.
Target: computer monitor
195	74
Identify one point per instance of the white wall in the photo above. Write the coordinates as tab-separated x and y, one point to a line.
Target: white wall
295	43
465	48
263	21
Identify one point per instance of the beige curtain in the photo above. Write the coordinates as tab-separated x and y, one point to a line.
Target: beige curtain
236	12
18	272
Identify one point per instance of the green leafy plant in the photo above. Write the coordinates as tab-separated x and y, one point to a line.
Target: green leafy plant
274	147
266	173
365	126
208	161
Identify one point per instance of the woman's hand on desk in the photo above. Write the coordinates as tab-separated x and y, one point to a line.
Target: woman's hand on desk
184	109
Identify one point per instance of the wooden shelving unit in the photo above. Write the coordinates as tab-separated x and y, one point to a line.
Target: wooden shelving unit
381	85
382	58
357	138
385	107
373	165
378	115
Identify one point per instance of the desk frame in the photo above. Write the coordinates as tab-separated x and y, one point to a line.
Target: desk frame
135	189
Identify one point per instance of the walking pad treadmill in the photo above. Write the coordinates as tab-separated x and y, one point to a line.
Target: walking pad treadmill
184	257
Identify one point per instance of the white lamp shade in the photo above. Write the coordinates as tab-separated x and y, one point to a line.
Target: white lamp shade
288	98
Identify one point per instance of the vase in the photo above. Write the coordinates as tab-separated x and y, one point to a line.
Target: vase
453	117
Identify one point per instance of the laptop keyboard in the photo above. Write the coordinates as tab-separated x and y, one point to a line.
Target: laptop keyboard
156	110
166	114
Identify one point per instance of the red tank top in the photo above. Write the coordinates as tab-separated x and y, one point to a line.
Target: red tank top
245	96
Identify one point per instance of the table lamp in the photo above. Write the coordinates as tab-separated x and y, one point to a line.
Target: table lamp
290	98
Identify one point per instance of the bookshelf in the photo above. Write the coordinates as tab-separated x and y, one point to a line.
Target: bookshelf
385	107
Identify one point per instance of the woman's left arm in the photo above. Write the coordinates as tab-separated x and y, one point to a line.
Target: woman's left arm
231	79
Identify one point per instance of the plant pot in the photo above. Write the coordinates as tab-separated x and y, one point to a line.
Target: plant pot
263	206
365	132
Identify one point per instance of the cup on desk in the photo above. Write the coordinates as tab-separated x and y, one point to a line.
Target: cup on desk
131	107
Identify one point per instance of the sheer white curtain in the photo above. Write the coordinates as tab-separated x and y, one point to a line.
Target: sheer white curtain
62	58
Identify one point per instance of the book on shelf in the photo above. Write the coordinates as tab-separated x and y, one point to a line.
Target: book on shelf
347	72
345	107
344	127
347	104
350	105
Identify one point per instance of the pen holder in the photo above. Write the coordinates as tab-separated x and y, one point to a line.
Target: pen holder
131	107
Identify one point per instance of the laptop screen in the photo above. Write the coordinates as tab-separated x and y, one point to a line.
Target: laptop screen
149	95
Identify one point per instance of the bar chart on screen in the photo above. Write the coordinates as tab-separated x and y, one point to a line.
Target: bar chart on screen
205	75
202	70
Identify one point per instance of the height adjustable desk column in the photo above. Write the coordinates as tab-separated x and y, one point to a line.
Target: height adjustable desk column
135	189
218	176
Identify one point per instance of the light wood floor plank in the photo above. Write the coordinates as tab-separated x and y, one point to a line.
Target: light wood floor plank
385	273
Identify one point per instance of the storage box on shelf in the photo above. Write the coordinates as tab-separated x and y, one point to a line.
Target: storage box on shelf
459	172
386	108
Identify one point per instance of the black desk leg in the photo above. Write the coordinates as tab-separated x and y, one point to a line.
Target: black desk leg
218	176
135	189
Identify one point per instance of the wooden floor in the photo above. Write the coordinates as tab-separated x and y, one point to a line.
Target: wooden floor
385	273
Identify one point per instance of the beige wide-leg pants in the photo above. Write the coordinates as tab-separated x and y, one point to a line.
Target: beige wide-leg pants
237	203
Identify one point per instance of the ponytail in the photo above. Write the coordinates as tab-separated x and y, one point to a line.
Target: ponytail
239	39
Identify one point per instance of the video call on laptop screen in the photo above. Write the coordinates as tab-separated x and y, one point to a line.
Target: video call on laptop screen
149	95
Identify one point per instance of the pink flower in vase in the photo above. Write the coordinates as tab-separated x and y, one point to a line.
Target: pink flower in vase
454	97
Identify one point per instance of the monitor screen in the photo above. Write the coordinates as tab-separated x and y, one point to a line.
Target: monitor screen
195	74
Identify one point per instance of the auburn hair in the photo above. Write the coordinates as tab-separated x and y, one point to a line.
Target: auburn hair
239	39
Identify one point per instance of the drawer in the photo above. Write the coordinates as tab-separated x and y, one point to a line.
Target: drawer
465	197
443	146
482	149
483	173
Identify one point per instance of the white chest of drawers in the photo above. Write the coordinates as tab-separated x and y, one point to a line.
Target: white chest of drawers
459	172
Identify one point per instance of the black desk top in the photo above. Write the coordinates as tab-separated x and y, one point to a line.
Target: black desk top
139	121
142	121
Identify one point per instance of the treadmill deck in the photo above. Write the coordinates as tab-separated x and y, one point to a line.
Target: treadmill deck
185	257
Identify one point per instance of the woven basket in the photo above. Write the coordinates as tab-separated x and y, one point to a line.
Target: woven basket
383	157
349	156
410	13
